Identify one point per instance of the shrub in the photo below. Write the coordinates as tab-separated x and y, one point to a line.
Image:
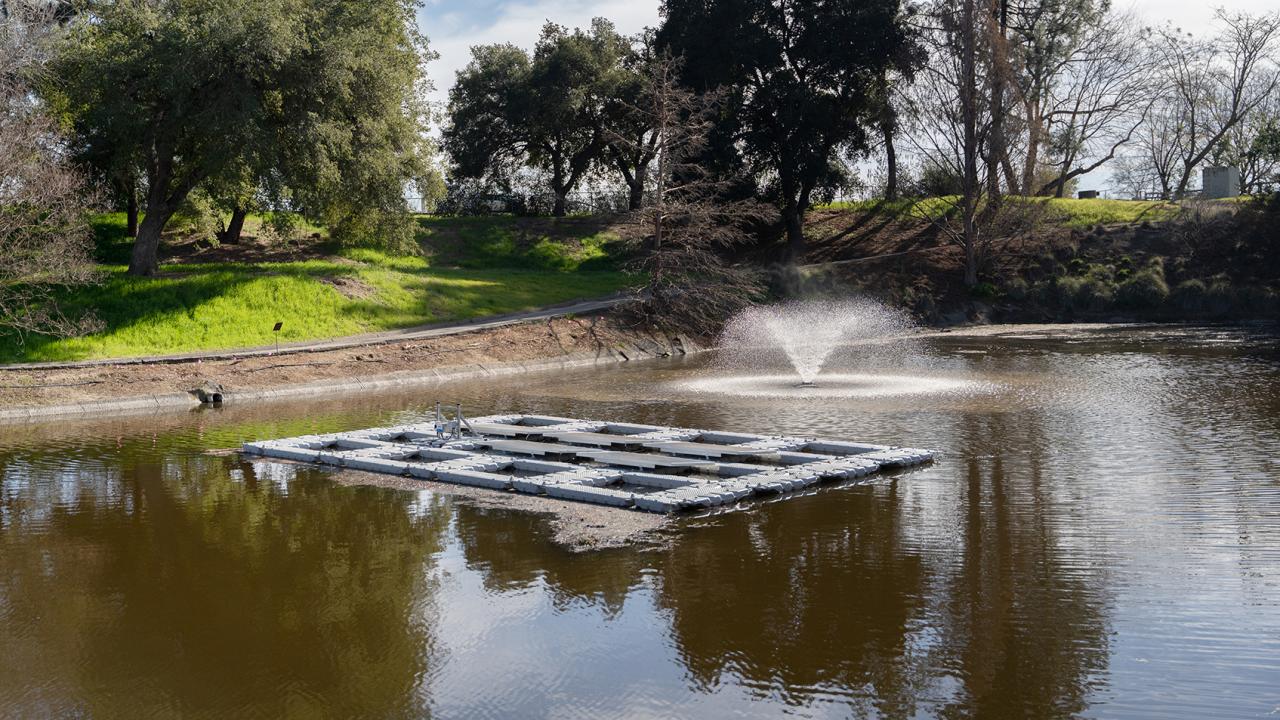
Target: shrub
1145	289
1017	289
1094	295
1102	273
1083	294
1256	301
393	231
1189	296
1220	298
984	291
1047	293
196	216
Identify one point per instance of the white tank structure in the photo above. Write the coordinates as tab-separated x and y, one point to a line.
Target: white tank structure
652	468
1220	182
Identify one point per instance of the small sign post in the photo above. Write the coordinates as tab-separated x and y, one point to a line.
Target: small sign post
276	330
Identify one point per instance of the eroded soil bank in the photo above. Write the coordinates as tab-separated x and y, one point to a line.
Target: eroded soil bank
513	348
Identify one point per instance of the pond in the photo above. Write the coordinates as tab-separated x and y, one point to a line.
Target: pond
1101	537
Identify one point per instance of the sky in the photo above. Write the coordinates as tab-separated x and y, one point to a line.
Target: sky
454	26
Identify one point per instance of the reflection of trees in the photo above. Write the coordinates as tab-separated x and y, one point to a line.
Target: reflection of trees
513	550
1023	614
816	594
836	595
848	594
188	592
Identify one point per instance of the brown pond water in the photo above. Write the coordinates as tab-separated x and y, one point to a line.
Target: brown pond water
1101	538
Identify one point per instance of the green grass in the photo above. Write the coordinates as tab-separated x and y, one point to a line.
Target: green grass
563	244
217	306
1081	214
1072	213
111	244
902	208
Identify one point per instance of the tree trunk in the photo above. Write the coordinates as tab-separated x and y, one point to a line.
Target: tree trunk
891	162
559	188
793	221
1184	179
635	198
998	150
232	234
997	136
1060	190
145	258
131	209
1034	126
969	117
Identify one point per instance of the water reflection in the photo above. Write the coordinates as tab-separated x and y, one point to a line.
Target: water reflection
1023	612
1099	539
193	584
809	598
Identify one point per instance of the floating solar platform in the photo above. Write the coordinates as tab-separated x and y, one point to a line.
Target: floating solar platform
642	467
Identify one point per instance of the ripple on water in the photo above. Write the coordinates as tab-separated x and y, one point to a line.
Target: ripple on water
835	385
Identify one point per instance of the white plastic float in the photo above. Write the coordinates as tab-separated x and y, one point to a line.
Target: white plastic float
643	467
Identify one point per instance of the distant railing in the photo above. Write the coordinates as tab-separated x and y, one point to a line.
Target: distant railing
523	204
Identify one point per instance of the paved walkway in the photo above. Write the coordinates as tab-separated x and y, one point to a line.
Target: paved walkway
580	307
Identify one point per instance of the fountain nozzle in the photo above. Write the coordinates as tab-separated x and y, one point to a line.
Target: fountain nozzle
807	383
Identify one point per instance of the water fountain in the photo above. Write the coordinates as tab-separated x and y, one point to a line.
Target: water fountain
784	350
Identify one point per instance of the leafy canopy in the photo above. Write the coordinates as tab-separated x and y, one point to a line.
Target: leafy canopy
322	101
546	110
803	79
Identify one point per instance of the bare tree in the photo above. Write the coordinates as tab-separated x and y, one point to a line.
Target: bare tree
45	239
951	120
1217	84
687	228
1150	167
999	80
1100	102
1044	38
1242	147
970	239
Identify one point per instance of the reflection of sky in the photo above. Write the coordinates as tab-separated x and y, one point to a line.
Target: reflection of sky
31	493
517	653
1138	475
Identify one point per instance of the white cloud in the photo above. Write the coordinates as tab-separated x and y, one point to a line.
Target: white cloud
1194	15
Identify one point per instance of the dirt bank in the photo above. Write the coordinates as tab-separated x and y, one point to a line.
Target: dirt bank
513	348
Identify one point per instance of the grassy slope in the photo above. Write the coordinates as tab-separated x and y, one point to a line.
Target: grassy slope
208	306
1068	212
1088	259
567	244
